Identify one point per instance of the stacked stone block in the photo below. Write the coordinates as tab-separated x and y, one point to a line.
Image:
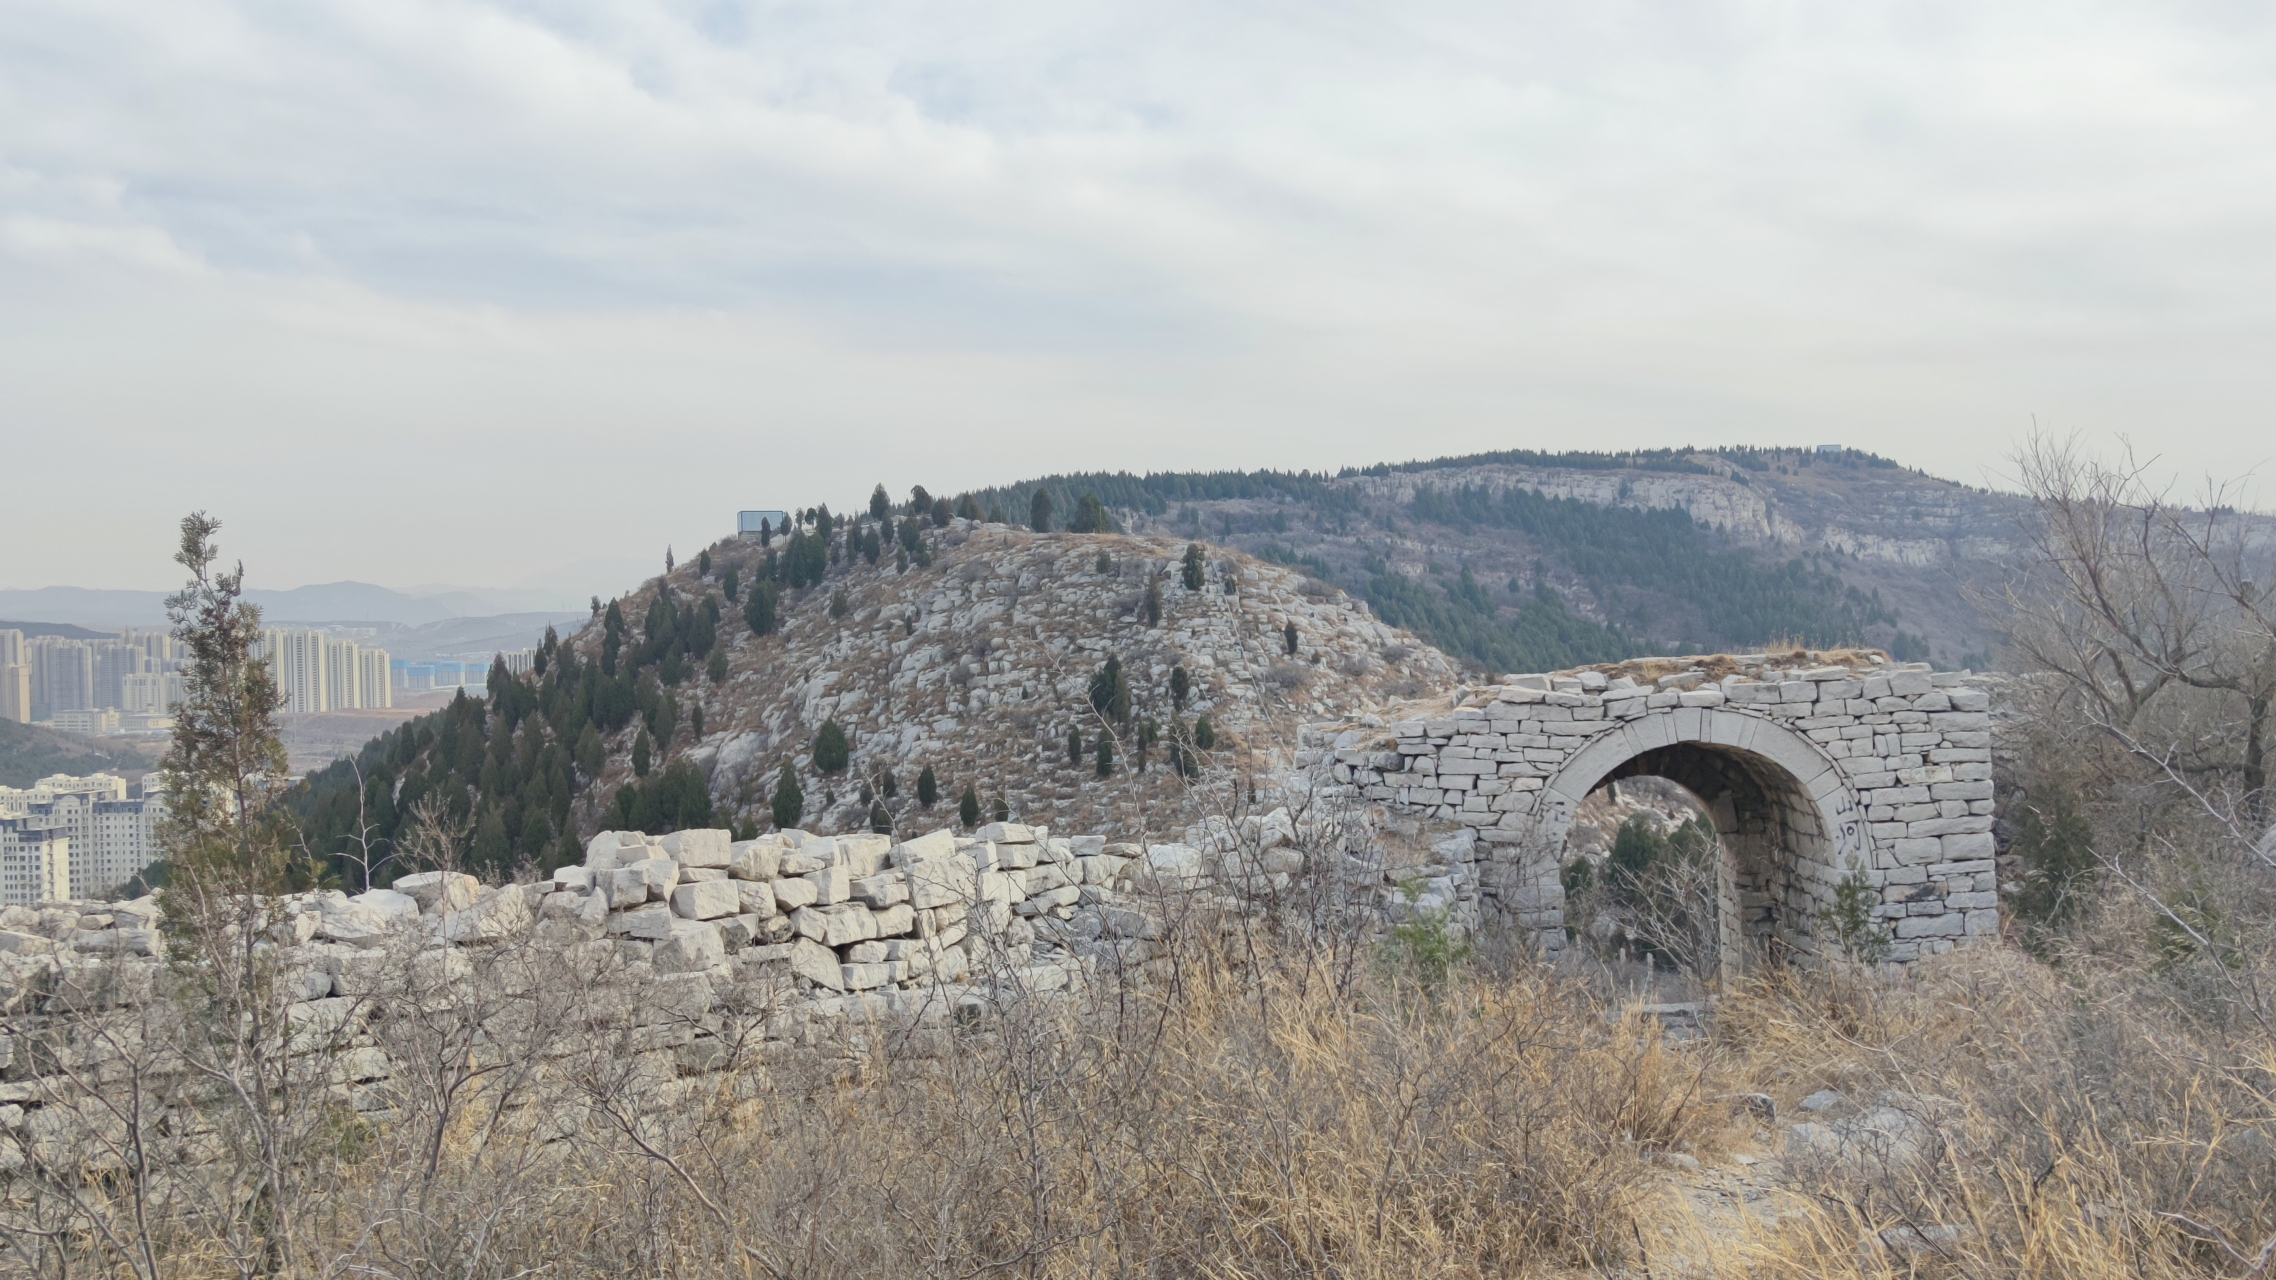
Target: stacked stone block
1880	769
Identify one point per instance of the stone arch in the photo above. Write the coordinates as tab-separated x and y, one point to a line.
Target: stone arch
1791	826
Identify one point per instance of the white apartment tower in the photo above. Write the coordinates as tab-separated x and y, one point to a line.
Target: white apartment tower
317	672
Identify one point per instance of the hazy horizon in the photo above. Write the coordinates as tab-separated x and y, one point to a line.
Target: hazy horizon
521	294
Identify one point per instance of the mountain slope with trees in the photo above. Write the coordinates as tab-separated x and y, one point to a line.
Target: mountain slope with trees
898	672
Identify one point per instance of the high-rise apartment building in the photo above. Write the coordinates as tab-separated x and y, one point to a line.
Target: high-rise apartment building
154	694
319	672
63	675
12	648
35	861
16	692
108	838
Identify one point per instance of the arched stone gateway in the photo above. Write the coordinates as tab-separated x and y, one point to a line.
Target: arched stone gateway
1811	775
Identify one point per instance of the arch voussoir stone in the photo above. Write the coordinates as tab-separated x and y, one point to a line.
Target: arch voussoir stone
1822	770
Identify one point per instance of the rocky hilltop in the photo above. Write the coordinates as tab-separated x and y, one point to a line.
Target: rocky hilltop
981	664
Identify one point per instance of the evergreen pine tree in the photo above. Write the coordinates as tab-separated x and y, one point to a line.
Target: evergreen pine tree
590	755
1039	511
716	669
1180	685
1152	609
1204	734
871	545
940	513
492	850
968	509
731	583
1288	637
1105	563
695	721
1195	566
830	748
880	821
996	514
928	788
789	803
759	613
920	502
703	563
1074	746
1105	753
537	835
642	754
889	784
1090	516
968	808
880	506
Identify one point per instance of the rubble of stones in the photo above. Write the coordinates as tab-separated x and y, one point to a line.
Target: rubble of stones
847	927
1914	745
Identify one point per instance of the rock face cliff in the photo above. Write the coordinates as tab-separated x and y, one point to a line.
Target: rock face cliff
981	664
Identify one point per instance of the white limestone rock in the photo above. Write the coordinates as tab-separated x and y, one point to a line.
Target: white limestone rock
439	892
691	946
759	859
817	964
700	848
500	914
706	900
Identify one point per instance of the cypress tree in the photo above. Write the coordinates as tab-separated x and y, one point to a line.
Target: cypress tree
1039	511
1090	516
1074	746
1180	685
667	558
1152	610
703	563
928	788
642	754
491	849
590	756
996	514
888	784
789	803
830	749
537	833
1288	637
920	502
940	513
968	808
716	669
1105	753
1194	566
1105	563
968	509
880	506
880	821
871	545
695	721
731	583
1003	809
1204	734
1148	733
759	613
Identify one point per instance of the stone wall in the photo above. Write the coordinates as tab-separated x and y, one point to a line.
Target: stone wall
1813	770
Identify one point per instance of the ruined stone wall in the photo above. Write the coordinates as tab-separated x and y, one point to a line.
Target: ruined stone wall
1814	771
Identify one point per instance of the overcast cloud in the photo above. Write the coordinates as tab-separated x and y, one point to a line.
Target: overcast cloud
421	292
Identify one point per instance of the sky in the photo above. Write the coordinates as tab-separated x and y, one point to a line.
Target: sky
516	295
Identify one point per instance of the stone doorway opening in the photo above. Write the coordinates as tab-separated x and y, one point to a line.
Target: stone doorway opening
1750	856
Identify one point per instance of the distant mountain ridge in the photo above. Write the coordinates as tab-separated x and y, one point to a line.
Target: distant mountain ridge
318	602
1518	560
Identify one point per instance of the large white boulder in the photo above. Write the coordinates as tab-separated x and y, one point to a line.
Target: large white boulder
499	914
653	921
701	848
938	882
439	892
817	964
759	859
1006	833
340	919
706	900
929	847
389	903
691	946
862	854
609	850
